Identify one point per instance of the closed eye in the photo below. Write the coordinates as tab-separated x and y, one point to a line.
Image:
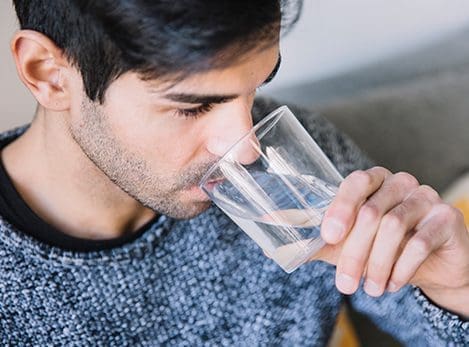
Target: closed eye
194	112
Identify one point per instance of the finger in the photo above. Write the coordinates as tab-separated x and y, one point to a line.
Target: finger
328	253
430	235
267	254
358	244
353	191
391	232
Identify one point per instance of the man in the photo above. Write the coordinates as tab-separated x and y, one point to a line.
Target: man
105	238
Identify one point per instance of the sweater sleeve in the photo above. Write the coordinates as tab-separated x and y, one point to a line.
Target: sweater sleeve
412	319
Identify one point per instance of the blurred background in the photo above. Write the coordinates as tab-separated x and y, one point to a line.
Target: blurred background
392	75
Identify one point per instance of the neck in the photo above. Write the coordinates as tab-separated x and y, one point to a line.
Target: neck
63	187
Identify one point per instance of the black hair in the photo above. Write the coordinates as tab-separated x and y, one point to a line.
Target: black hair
156	38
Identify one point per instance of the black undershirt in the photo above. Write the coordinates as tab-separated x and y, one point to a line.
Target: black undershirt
15	211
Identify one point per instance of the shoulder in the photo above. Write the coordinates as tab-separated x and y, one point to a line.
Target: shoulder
9	135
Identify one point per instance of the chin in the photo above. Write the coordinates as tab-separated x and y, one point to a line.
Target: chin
189	210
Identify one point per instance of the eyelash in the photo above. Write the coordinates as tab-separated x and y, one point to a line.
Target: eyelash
198	111
194	112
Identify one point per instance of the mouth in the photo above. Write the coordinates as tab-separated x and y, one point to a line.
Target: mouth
209	185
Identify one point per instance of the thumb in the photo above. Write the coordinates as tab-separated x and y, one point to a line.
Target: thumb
328	253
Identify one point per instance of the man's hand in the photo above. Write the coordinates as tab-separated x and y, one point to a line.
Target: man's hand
392	231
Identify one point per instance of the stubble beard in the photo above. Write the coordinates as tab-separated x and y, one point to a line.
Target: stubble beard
131	173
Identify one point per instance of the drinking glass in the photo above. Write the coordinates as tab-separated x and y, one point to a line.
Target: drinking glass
276	183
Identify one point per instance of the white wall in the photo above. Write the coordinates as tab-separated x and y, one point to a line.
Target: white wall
16	103
336	35
332	36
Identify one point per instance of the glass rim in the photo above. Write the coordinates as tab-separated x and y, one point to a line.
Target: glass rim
256	127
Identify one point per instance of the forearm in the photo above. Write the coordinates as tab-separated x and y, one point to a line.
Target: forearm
453	300
451	328
411	317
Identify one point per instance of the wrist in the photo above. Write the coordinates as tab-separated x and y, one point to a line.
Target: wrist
455	300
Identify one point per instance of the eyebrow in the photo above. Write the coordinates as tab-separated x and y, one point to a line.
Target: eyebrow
216	98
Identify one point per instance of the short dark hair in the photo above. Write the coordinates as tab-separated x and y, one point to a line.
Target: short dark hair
156	38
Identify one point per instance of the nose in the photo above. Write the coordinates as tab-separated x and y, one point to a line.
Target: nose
233	123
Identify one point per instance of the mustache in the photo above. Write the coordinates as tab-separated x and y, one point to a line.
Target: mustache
193	175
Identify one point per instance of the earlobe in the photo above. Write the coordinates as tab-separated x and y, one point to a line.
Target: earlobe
42	68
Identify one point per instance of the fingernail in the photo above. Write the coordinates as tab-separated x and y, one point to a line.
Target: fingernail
392	287
371	288
333	230
345	283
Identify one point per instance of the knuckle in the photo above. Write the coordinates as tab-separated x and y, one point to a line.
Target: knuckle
369	212
350	268
420	245
449	214
339	209
407	179
361	177
429	192
381	169
398	279
351	262
394	220
376	270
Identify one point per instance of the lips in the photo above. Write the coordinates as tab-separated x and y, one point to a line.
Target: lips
216	180
209	185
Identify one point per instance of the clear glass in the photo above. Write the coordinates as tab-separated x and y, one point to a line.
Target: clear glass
275	183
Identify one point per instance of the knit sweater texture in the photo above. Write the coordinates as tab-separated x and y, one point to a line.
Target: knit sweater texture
197	282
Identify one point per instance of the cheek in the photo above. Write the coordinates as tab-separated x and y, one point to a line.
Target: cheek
163	141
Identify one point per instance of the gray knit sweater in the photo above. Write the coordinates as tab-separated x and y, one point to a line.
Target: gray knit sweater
198	282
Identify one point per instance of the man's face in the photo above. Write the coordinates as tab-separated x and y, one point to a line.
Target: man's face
156	143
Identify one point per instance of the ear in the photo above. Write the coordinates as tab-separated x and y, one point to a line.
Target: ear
42	67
